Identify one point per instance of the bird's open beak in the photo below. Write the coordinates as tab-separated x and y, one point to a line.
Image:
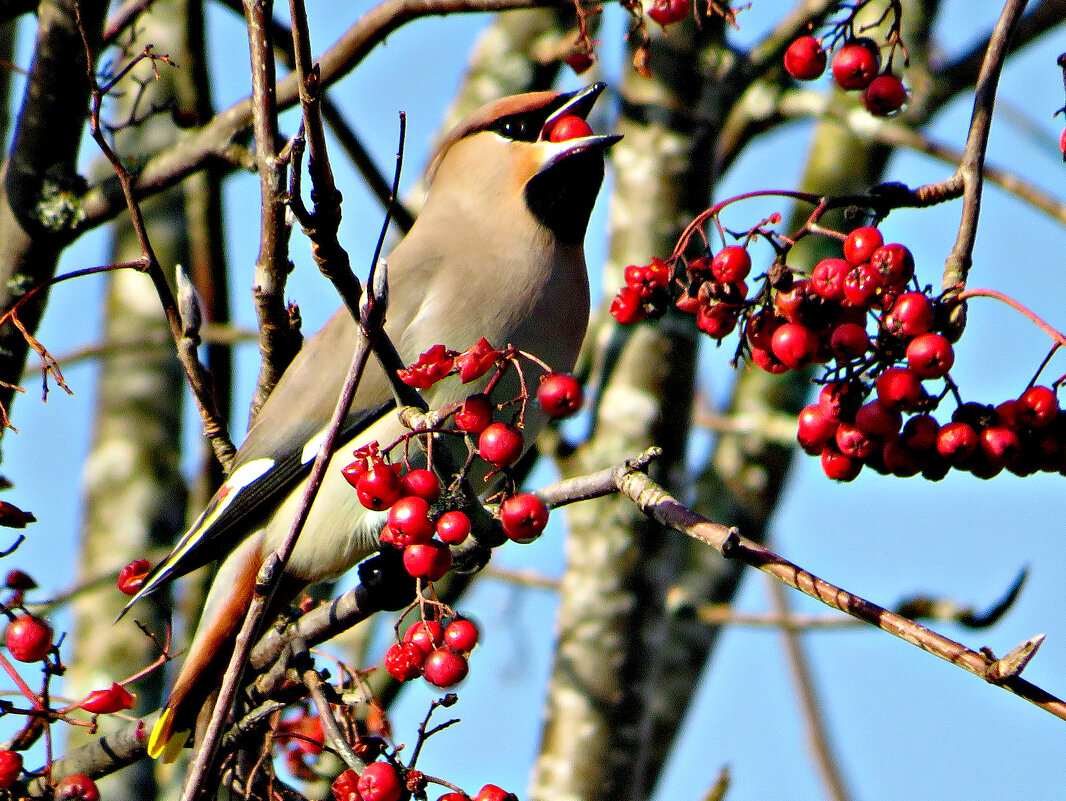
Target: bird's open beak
576	104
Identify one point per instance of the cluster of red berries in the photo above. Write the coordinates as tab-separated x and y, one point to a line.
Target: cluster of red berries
384	781
436	652
856	66
668	12
75	787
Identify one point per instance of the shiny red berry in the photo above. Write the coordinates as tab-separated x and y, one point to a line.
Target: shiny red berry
475	414
429	560
876	420
77	787
628	306
569	127
19	580
1038	407
930	356
523	517
403	661
10	767
346	786
667	12
461	635
849	341
839	467
794	345
854	442
899	388
718	320
444	668
855	65
422	483
884	96
500	444
860	244
895	263
378	487
805	59
453	527
379	782
956	442
560	395
828	278
28	638
490	792
409	521
131	577
815	428
862	285
114	699
731	264
426	634
999	445
911	315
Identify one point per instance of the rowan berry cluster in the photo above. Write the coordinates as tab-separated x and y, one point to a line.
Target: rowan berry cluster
864	316
856	66
385	781
436	651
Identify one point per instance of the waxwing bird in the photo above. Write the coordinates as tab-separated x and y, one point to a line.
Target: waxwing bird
497	252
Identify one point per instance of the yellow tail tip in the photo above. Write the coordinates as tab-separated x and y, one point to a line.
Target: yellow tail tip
165	742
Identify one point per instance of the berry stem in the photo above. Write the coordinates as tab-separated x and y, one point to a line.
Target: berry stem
1055	335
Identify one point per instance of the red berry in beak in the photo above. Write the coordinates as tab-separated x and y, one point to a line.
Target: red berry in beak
569	127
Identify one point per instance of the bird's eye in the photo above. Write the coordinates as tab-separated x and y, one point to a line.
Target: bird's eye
515	127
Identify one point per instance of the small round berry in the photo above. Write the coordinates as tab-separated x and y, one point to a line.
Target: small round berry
409	521
717	321
28	638
849	341
731	264
131	577
403	660
77	787
895	263
828	278
839	400
580	62
628	306
453	527
930	356
884	96
444	668
475	414
569	127
667	12
795	345
839	467
899	388
956	442
805	59
920	432
426	634
454	797
490	792
854	442
10	767
1038	407
999	445
855	65
378	487
759	328
815	428
19	580
876	420
559	395
765	360
860	244
911	315
899	459
346	786
461	635
500	444
862	285
422	483
379	782
429	560
523	517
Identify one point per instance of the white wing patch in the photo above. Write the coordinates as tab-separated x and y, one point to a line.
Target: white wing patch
311	449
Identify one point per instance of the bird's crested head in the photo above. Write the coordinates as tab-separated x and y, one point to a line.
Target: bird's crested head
537	147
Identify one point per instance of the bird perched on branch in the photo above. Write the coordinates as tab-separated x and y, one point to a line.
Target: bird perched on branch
497	252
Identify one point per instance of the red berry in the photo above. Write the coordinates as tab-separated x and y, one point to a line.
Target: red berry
379	487
19	580
920	432
28	638
1038	407
409	521
559	395
956	442
876	420
766	360
444	667
828	278
717	321
475	414
899	388
628	306
849	341
523	517
862	285
426	634
379	782
403	661
839	467
731	264
895	263
10	767
805	59
759	328
461	635
854	442
1062	144
899	459
569	127
930	356
885	95
500	444
667	12
454	797
131	577
345	787
422	483
795	345
911	315
453	527
580	63
815	428
114	699
77	787
429	560
860	244
999	445
490	792
647	279
855	65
